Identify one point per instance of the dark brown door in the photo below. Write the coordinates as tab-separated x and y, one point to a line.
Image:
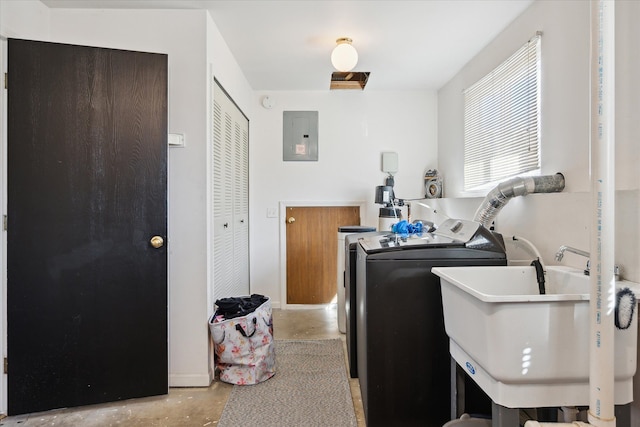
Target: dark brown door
312	251
87	191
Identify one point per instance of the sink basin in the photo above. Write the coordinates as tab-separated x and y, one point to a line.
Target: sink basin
524	349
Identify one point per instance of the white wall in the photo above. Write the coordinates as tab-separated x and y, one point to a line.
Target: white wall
26	19
354	128
551	220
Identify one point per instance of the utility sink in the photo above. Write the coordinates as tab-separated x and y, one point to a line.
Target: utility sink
525	349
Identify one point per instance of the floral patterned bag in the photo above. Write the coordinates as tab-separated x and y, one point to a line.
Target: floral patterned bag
244	348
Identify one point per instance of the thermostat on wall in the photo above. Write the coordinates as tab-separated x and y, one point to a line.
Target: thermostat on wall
390	162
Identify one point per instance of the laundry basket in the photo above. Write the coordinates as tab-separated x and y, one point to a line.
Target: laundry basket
243	339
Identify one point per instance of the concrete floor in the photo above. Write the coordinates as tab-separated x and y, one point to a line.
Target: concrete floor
192	406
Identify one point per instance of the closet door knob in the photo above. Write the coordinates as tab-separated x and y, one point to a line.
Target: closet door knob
291	220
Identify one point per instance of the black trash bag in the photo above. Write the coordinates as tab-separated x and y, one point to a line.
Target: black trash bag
239	306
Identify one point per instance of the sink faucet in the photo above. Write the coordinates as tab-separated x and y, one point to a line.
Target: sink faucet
563	249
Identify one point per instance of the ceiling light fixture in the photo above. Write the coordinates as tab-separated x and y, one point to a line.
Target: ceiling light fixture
344	56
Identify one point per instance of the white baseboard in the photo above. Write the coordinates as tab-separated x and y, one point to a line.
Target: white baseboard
190	380
327	306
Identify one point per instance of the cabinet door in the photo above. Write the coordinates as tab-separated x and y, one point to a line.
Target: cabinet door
230	197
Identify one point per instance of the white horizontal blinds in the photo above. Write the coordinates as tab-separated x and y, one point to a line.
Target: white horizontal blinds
501	120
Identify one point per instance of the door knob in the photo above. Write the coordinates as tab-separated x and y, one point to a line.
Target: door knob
156	242
291	220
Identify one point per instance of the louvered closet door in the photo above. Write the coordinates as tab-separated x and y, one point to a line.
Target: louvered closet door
241	207
230	198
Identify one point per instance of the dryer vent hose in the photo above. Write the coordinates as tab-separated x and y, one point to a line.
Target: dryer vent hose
519	186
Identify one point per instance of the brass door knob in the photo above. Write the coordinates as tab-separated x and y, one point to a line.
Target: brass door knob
291	220
156	242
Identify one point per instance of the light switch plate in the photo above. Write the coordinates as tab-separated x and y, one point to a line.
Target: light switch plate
272	212
176	140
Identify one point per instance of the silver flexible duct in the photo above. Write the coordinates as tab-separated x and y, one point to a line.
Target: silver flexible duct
519	186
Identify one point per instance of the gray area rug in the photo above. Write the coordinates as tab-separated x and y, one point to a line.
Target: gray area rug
310	388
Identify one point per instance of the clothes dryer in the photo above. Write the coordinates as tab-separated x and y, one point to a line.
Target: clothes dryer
403	362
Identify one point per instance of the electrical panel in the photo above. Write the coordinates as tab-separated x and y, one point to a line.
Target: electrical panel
300	136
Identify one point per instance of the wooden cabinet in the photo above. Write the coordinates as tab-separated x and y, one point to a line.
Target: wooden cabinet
230	197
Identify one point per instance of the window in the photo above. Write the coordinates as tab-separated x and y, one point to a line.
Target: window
501	120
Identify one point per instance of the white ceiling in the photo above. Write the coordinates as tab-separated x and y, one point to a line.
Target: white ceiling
286	45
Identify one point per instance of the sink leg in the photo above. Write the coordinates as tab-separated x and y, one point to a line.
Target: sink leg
623	415
457	390
504	417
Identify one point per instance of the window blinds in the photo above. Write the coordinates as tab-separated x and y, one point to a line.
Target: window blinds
501	120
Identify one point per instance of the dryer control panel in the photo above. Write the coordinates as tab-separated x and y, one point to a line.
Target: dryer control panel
451	233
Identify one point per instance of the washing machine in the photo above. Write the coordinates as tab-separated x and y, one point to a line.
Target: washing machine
403	362
350	253
343	232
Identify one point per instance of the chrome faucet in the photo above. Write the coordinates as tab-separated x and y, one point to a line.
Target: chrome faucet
563	249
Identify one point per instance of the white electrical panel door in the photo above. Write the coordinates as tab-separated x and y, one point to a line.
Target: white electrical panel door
300	135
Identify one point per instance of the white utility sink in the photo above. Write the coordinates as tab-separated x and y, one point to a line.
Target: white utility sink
525	349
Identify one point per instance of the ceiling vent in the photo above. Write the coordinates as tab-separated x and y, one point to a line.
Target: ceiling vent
349	80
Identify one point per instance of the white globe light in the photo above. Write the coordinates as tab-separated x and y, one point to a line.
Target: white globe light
344	56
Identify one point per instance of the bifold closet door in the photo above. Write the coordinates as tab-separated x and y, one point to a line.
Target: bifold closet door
230	197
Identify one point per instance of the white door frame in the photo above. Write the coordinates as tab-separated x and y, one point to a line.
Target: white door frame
283	243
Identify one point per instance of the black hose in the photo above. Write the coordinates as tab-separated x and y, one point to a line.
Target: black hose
539	275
